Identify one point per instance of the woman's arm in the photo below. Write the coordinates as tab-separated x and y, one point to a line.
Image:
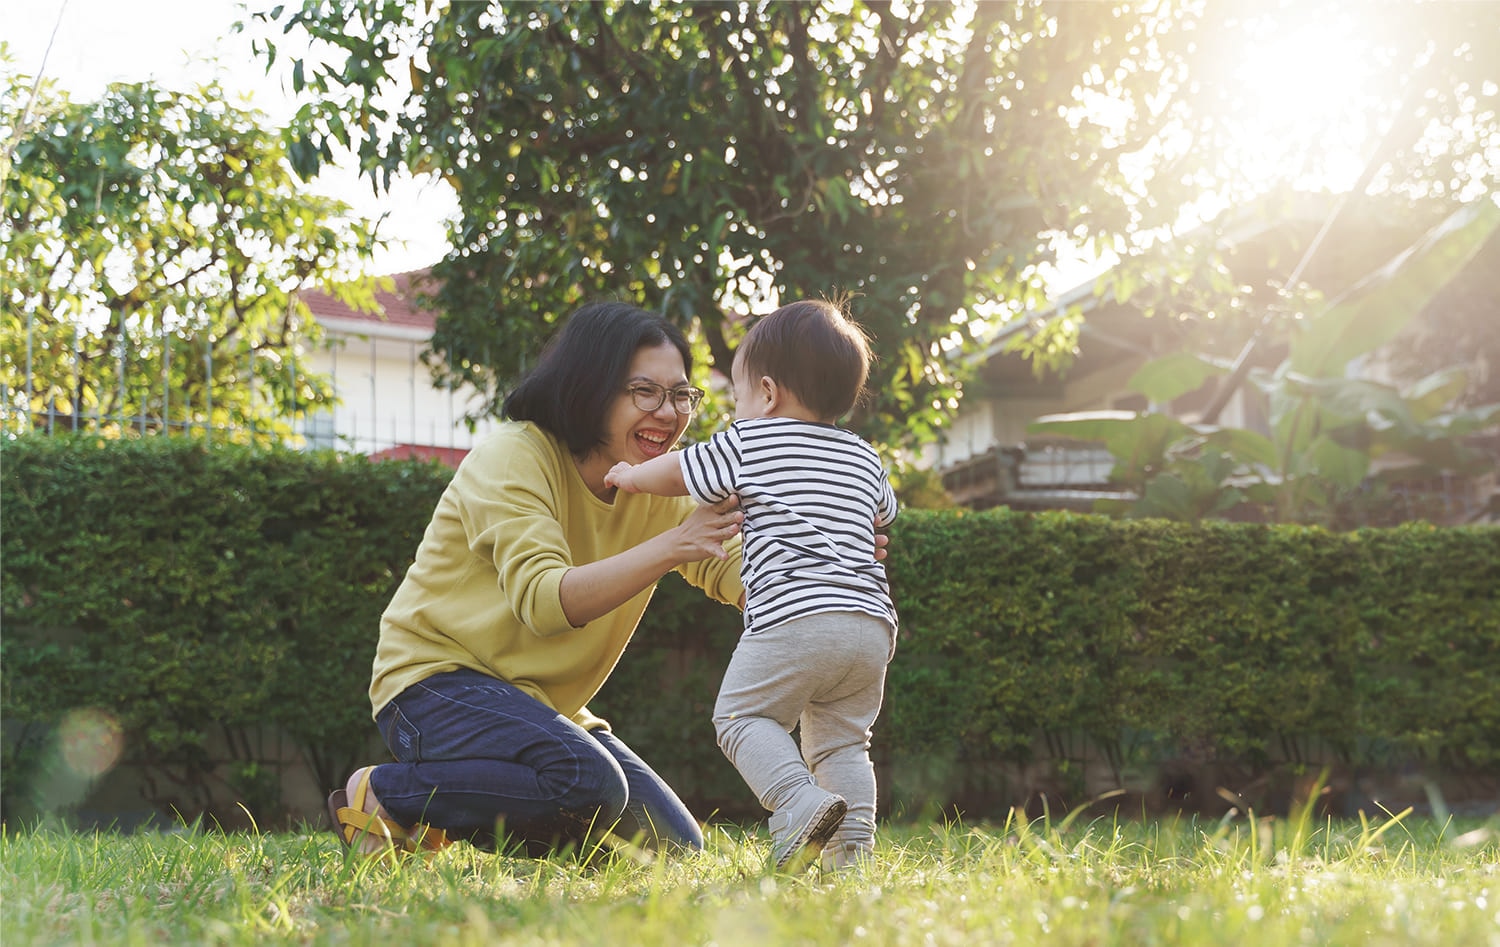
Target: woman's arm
592	590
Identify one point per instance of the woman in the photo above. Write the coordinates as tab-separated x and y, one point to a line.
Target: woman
526	588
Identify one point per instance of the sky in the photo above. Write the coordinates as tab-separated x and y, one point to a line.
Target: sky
175	42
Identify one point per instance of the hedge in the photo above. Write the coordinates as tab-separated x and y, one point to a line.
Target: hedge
197	591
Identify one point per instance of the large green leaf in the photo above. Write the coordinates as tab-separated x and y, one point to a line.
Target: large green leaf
1249	447
1137	441
1084	425
1169	497
1379	306
1345	402
1426	398
1469	421
1127	430
1172	376
1328	460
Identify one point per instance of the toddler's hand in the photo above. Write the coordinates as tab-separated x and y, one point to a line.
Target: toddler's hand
620	476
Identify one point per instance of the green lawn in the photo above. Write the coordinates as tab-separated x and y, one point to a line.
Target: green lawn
1278	881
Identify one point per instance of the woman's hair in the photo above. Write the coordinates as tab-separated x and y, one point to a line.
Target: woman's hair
813	350
582	370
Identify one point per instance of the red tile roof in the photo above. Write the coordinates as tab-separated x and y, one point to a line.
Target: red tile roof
448	456
399	305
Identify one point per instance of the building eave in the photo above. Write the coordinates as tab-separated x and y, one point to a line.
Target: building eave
340	328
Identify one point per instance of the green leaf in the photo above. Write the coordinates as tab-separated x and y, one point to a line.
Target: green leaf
1469	421
1138	442
1249	447
1327	459
1426	398
1169	497
1165	379
1379	306
1085	425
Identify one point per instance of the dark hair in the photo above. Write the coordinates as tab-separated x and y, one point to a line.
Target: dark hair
813	350
582	370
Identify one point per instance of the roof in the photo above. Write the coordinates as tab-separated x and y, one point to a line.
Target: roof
448	456
398	307
1120	329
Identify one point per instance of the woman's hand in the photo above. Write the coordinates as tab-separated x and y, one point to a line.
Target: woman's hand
706	529
597	588
881	541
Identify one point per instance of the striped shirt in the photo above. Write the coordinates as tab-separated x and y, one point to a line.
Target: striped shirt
812	495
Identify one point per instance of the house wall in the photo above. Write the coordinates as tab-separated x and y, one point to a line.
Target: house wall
387	395
999	418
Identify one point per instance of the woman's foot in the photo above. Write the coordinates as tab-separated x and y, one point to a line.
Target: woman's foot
362	797
363	824
360	821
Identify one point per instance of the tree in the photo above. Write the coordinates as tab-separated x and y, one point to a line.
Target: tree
1438	109
154	242
706	159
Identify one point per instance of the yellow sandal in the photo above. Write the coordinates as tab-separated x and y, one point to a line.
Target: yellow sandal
354	823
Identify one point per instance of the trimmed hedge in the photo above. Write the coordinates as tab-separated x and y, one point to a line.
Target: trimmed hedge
1221	640
201	591
194	590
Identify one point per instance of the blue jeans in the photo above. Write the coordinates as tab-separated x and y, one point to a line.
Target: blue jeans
487	762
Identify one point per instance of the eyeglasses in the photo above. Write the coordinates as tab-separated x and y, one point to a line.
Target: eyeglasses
649	397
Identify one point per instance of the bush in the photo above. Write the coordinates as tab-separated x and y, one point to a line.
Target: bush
200	593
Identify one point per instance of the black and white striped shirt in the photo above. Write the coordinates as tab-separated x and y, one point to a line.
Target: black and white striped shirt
812	495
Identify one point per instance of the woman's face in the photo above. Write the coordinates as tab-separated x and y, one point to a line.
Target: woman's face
634	435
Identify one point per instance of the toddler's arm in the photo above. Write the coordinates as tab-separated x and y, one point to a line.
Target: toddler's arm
661	476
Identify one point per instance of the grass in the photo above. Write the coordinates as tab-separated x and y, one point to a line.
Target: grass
1267	882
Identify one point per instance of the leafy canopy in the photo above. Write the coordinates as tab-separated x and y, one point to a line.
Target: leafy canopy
708	160
154	241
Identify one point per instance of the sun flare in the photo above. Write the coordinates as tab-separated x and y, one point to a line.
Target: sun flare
1304	94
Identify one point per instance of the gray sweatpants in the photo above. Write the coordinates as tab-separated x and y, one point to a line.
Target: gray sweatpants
826	672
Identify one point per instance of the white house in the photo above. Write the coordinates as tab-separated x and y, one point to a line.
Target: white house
987	458
389	406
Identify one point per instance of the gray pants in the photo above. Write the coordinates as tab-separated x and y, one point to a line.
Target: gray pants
826	672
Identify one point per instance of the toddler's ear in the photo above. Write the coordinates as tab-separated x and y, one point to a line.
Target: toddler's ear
770	391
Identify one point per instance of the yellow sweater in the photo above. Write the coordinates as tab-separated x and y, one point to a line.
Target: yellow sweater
483	592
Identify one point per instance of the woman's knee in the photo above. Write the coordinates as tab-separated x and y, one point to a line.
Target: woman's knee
596	786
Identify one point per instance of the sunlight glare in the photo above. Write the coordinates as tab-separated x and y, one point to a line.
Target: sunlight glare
1301	91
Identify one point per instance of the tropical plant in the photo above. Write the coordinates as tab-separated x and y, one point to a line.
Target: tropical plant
154	242
1328	425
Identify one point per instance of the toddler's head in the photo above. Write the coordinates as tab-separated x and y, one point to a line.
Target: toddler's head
813	350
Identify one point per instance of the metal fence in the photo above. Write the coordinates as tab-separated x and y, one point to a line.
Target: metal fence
391	408
384	407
